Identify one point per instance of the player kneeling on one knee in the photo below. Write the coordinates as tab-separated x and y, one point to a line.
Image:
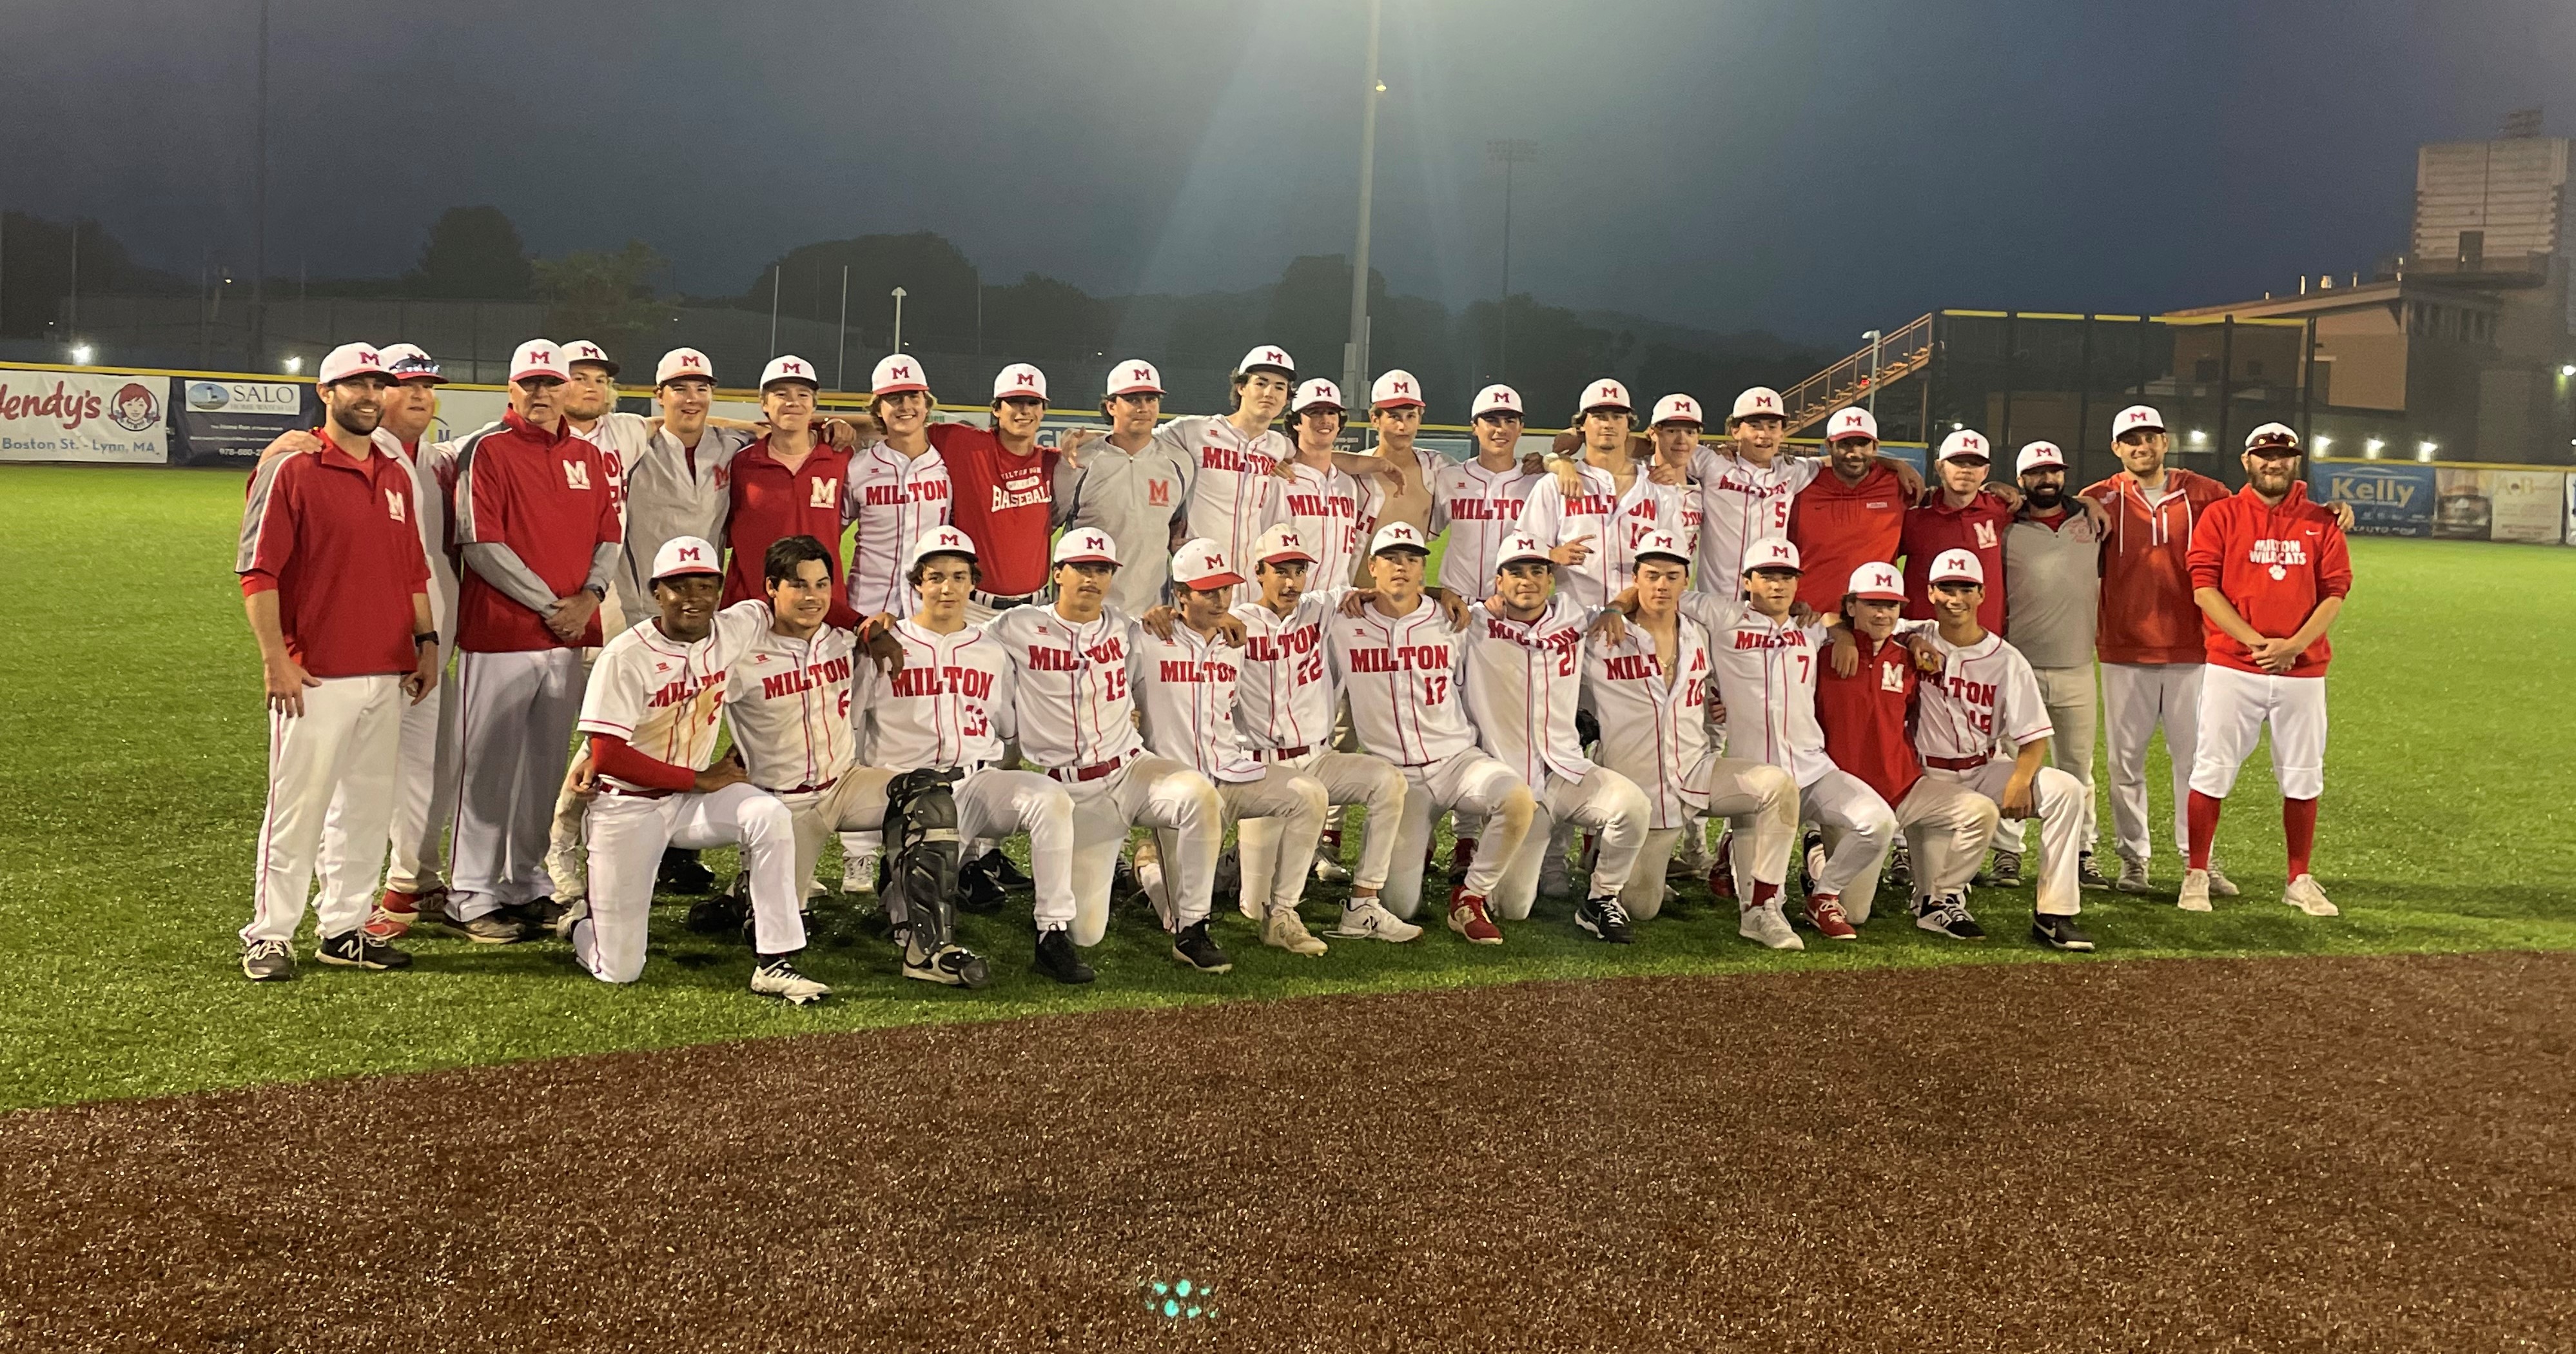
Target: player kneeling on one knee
655	700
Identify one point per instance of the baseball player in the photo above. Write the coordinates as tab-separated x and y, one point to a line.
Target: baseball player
1002	485
2053	591
2270	570
1479	502
538	529
1647	684
1397	473
655	699
1524	682
1320	501
944	713
1745	489
336	590
1670	441
1075	718
1985	701
1234	459
1398	661
1186	680
1592	531
1131	484
1284	699
1853	514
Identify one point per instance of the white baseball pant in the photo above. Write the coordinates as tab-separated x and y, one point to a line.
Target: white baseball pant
1946	827
1348	778
2136	698
1473	786
1608	804
425	787
993	803
1292	804
628	834
514	732
856	800
2059	799
2068	694
1155	792
566	865
1759	802
1858	828
2234	707
334	763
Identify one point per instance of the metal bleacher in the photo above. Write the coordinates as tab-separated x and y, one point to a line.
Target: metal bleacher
1849	381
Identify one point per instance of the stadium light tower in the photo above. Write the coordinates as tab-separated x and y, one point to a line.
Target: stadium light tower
898	319
1507	152
1355	352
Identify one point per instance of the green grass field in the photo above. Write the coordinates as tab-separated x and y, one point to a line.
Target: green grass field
133	783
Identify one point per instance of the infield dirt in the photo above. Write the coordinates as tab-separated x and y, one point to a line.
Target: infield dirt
2363	1154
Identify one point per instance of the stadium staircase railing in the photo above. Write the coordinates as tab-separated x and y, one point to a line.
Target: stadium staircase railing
1898	355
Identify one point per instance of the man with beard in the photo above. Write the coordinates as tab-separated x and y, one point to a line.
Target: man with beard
1853	514
2052	591
1745	488
337	592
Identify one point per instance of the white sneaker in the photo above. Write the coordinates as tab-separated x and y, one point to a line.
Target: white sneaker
1330	871
779	978
1764	925
2195	891
1285	930
2305	895
2219	883
859	873
1368	919
2133	876
579	909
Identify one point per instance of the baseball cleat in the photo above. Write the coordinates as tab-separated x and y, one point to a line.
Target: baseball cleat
1368	919
570	917
432	902
268	961
1900	868
357	949
550	913
949	966
1285	930
1329	871
2195	891
777	977
2059	933
1765	925
2133	876
859	874
2004	872
1468	917
1192	946
1948	917
501	926
1811	857
1057	960
1825	913
683	872
1007	873
2219	883
2088	873
978	889
2306	895
393	915
1604	919
1721	873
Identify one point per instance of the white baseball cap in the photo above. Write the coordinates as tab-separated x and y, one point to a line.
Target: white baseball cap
681	362
1395	388
1279	545
2038	455
1199	565
409	362
1316	394
1852	422
1398	536
1496	399
1772	552
1603	394
788	368
538	357
1019	380
2134	418
1676	409
352	359
1877	583
938	541
1134	378
2273	435
583	350
1661	545
1521	545
896	373
1760	401
1267	358
1086	545
1964	442
1954	566
685	555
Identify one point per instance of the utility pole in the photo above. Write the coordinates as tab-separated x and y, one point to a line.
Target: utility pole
1873	337
898	319
840	363
1507	152
1355	352
259	209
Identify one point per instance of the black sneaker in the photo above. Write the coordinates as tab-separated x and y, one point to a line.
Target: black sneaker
722	916
2004	872
1604	919
1057	959
2088	874
268	961
1192	947
1007	873
1811	859
357	949
546	913
1948	917
979	885
950	966
683	872
1900	867
501	926
2059	933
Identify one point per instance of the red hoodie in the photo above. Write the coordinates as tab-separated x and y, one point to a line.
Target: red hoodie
2147	615
1978	528
1839	527
2273	563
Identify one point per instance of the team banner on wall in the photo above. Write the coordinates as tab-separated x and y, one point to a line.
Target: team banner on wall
83	416
214	422
2388	499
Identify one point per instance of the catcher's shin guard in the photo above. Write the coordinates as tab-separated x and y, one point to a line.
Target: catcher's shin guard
921	857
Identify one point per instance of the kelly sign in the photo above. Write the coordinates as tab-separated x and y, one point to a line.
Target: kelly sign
83	416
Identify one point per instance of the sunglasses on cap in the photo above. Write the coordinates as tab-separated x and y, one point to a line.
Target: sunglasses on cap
410	367
2275	446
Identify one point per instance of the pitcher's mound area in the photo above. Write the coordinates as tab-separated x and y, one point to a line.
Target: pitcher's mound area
2297	1154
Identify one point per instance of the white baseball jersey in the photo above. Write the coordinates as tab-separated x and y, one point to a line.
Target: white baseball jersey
789	700
943	708
1069	697
664	697
1654	723
1324	506
1740	502
1479	506
1524	680
1234	496
1766	677
1985	699
1186	686
1401	675
894	499
1645	509
1283	690
620	438
1615	522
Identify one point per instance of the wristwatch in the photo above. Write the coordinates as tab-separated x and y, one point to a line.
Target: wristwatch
595	590
425	637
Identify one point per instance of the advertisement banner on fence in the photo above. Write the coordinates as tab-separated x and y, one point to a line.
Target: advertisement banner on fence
83	416
462	411
216	422
2394	499
2527	505
2570	524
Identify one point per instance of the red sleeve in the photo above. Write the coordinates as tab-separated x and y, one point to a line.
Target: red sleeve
2204	490
609	531
275	543
2208	551
611	755
2334	561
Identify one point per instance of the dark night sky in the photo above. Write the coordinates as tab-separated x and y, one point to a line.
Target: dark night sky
1814	168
